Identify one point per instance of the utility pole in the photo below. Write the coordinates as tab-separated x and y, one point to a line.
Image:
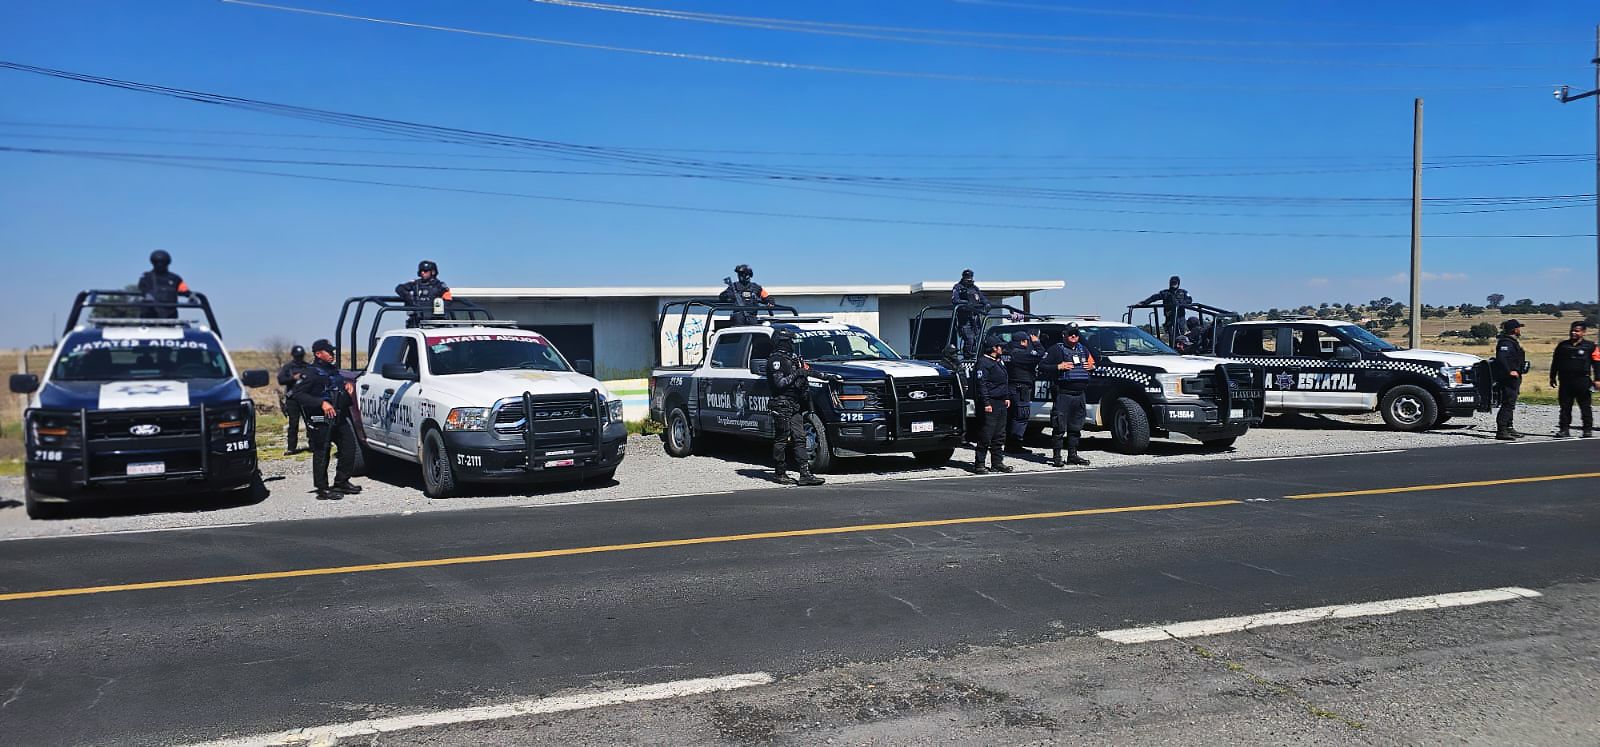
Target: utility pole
1416	225
1564	95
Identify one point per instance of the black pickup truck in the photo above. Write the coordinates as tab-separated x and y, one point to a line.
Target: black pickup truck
866	398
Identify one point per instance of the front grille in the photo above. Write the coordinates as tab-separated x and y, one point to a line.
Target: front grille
134	424
933	391
510	417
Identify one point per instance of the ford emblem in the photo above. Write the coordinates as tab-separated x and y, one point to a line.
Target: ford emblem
145	429
917	394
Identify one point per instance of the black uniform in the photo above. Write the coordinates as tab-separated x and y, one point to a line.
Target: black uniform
162	287
990	388
1573	370
1508	357
324	383
791	400
1071	408
288	376
420	292
745	293
1173	301
970	306
1022	365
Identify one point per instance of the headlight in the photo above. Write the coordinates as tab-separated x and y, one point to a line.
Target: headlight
233	421
614	411
1172	386
1455	375
467	419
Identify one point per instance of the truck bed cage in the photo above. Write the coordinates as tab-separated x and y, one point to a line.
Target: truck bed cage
463	312
712	307
1216	317
996	312
136	300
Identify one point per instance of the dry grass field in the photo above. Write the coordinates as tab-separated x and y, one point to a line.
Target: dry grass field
1539	339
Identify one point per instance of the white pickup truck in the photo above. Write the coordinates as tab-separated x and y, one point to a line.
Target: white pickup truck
485	401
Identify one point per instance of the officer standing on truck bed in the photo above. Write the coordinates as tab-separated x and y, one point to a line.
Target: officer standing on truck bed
991	390
1173	301
288	376
1508	366
326	398
1574	374
1072	363
1022	365
422	291
162	286
746	292
970	306
791	400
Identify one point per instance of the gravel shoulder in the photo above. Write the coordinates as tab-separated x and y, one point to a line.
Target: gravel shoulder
394	487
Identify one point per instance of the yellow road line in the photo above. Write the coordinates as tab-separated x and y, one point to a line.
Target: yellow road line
1445	486
465	560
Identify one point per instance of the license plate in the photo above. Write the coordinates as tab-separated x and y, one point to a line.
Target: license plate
147	468
560	463
1236	414
922	426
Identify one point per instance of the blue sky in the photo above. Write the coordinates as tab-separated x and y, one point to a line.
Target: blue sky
1262	101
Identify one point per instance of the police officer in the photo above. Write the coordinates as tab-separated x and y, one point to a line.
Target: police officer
326	398
789	376
1508	366
288	376
1071	362
746	292
1173	301
970	307
1574	373
1189	343
162	286
422	291
1022	365
991	390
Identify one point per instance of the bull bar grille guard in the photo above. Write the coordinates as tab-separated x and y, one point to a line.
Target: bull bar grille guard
203	439
530	429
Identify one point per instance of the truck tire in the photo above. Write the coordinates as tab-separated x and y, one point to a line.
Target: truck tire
1130	426
438	473
678	437
1409	408
817	438
934	458
1444	417
38	507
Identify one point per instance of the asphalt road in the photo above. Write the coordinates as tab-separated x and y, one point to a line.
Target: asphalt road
344	619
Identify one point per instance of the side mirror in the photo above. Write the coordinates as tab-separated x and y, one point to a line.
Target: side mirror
1346	353
758	366
583	366
255	378
24	383
399	372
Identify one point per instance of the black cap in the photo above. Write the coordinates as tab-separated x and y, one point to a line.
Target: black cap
993	341
426	265
297	352
322	345
1577	324
966	274
160	258
1071	329
1510	324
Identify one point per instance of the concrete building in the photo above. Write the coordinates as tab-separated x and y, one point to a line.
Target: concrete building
616	327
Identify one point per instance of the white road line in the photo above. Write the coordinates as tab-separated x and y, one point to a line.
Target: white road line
1201	628
331	733
1320	456
128	531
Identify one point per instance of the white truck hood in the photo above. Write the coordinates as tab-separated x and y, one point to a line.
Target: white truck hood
1460	360
484	388
1178	364
897	369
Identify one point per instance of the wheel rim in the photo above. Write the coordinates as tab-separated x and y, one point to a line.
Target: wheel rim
1407	409
680	430
811	442
1120	425
437	463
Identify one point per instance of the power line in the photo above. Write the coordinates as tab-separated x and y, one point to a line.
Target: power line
872	72
932	37
838	218
1076	9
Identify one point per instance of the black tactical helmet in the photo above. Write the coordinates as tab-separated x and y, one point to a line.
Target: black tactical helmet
427	265
744	272
966	274
1072	329
160	259
993	341
1173	281
297	352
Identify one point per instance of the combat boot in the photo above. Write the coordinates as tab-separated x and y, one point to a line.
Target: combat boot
1563	433
781	476
1073	458
977	464
1588	433
346	487
1055	454
1000	466
1504	435
806	478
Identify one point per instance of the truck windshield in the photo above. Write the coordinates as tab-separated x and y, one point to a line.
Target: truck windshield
1364	339
130	360
1123	341
842	345
458	354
